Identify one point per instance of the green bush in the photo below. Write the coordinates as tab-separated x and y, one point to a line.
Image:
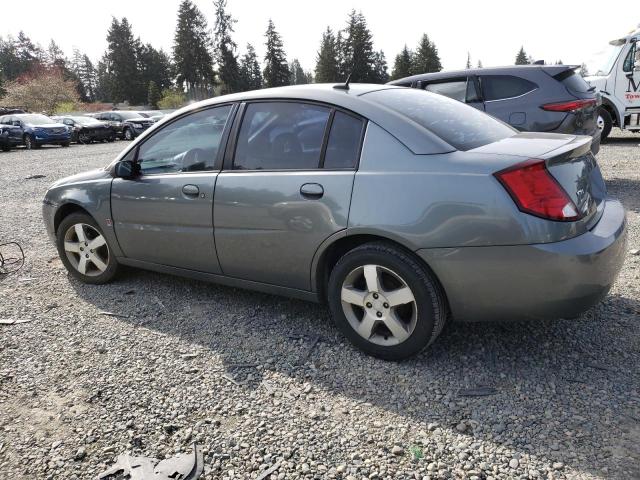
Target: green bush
172	99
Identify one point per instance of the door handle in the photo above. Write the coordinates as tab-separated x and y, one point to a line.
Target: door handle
312	190
191	190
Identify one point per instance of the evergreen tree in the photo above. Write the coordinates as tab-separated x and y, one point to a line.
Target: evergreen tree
250	74
225	47
297	75
55	56
328	61
276	70
192	59
522	58
358	56
468	66
29	55
86	72
155	66
380	70
584	71
426	58
154	95
19	56
479	63
103	83
121	63
402	64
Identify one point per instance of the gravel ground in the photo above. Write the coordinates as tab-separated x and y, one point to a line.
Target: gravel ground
261	381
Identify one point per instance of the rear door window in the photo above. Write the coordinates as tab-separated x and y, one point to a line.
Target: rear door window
461	126
499	87
281	136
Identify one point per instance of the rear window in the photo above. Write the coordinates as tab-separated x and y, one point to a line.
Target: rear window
575	83
499	87
461	126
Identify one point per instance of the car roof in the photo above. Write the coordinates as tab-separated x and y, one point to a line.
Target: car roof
415	137
506	70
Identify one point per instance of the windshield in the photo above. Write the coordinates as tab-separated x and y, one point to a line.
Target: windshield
131	116
35	119
461	126
602	62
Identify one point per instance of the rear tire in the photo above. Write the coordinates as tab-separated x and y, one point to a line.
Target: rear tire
84	249
128	134
385	301
605	123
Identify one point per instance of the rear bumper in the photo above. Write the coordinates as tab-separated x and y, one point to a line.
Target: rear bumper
543	281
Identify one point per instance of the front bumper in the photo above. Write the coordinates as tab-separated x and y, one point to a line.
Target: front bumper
43	139
543	281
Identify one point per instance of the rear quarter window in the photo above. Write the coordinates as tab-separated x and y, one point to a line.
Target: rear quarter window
499	87
461	126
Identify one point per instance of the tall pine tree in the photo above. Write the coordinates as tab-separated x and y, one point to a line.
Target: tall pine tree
358	56
468	66
328	59
120	63
297	75
380	70
250	74
426	58
522	58
225	47
191	56
402	66
276	69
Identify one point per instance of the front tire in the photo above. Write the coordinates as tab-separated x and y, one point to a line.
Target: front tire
385	301
128	134
29	142
605	123
84	250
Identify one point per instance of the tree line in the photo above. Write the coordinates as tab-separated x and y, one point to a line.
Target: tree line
205	62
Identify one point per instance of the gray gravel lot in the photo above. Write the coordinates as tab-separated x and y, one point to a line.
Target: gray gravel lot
259	380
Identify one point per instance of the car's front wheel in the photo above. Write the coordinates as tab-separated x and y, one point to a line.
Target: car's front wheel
128	134
385	301
84	249
29	142
605	123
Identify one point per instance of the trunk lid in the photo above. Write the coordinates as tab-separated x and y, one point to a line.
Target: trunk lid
568	159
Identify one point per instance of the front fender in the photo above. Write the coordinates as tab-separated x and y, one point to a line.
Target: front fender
90	192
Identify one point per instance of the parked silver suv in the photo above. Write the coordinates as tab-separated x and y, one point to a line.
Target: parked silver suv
397	206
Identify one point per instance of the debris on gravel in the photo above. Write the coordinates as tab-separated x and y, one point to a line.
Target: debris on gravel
150	364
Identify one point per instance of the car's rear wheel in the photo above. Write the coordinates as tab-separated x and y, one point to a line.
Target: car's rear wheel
385	301
84	138
6	148
84	249
605	123
128	134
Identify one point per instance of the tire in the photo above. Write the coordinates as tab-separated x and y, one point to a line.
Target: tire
29	142
128	134
6	148
414	325
111	139
100	264
65	144
605	122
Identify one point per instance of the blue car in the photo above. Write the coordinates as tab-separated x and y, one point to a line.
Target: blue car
35	130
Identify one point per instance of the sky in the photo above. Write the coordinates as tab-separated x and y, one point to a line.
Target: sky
491	30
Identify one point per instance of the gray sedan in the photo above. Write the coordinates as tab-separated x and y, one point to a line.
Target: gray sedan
399	208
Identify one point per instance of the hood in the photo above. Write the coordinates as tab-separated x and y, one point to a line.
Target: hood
91	175
48	125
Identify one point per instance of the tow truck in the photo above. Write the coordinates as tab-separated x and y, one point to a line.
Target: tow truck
618	80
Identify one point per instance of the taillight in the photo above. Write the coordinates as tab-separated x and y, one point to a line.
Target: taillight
535	191
571	106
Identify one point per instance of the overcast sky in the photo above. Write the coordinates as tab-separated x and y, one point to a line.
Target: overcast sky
490	30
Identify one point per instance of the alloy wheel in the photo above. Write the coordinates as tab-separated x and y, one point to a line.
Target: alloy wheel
379	305
600	122
86	249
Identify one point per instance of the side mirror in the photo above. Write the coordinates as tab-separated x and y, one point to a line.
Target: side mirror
127	169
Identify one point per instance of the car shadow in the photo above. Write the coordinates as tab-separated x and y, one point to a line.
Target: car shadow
508	367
